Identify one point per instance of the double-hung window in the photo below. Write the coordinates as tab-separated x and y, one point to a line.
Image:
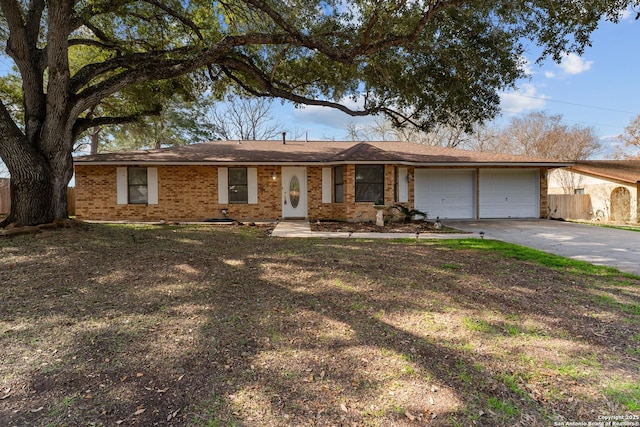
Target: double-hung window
238	185
369	183
138	185
338	184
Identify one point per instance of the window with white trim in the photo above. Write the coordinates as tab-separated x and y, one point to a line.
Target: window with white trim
136	185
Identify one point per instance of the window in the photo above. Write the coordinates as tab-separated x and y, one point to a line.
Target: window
338	184
138	185
369	183
578	191
238	185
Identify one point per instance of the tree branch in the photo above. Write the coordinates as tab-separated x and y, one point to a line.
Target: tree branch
83	124
170	11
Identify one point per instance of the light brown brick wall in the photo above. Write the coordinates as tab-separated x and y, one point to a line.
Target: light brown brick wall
187	193
190	193
544	193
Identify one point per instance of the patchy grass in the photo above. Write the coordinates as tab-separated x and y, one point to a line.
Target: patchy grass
223	326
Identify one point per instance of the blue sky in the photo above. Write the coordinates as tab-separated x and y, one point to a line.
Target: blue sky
599	89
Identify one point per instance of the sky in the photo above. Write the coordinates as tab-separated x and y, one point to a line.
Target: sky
599	89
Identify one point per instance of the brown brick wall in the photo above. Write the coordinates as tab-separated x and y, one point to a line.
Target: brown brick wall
187	193
190	193
544	194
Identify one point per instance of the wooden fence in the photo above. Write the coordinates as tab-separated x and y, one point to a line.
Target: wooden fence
5	198
570	206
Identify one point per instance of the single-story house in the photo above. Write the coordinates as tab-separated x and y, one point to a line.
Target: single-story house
613	186
269	180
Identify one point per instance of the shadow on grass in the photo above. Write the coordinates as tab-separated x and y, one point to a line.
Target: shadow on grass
226	327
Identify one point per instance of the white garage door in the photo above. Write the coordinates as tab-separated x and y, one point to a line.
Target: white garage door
509	193
445	193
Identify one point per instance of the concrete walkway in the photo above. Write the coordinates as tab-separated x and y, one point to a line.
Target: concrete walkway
598	245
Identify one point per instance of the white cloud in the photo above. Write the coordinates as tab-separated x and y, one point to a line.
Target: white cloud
550	74
526	98
527	66
574	64
331	117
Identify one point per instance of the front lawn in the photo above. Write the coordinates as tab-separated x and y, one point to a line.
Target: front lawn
222	326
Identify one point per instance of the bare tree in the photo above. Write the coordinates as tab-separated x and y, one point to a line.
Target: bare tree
245	118
539	134
631	139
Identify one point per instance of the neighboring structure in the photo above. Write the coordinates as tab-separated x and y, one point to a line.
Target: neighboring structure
268	180
613	186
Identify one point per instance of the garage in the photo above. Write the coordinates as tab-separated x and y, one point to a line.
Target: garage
445	193
509	193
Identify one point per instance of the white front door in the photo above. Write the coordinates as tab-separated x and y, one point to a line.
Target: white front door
294	192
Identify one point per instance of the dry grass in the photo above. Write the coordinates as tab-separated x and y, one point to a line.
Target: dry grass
219	326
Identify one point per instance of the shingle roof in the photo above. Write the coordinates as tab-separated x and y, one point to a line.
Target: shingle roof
301	152
621	170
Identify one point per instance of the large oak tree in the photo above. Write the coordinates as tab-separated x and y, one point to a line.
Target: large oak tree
419	62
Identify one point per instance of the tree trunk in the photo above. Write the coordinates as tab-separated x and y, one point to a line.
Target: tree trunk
38	189
38	181
94	133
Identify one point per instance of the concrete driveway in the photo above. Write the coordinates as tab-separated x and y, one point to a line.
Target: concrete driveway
598	245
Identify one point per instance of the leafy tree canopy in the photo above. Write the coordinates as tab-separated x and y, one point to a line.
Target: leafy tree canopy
420	62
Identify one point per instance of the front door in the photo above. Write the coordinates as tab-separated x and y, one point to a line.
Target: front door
294	192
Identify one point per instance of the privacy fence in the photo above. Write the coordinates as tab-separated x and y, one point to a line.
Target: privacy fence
570	206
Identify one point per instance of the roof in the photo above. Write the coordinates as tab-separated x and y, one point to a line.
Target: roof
620	170
313	152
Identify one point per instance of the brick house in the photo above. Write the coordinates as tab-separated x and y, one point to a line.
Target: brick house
268	180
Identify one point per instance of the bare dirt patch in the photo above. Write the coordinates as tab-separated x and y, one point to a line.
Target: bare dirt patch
221	325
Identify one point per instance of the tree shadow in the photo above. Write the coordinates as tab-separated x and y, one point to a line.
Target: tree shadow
191	326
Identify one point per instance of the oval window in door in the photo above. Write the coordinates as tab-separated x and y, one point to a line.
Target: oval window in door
294	191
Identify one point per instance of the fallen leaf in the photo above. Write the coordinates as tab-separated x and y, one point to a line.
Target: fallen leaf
162	390
321	374
107	360
139	374
173	414
119	422
343	407
431	400
408	415
180	377
139	411
123	379
38	409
